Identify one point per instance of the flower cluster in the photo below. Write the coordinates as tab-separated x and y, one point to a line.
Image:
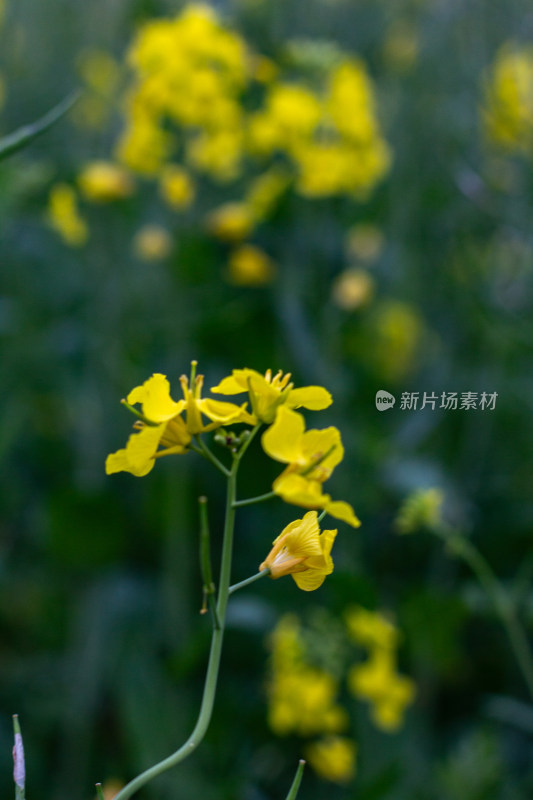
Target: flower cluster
377	680
167	427
508	112
303	701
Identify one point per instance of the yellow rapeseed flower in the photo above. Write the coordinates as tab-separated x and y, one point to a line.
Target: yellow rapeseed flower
303	552
421	509
333	758
370	628
64	216
352	289
268	392
152	243
177	187
389	693
103	182
311	457
162	423
231	222
508	113
250	266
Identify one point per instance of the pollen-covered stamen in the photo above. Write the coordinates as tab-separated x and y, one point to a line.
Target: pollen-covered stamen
198	384
284	381
268	376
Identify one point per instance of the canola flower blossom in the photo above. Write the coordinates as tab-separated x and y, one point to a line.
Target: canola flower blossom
377	680
508	109
303	552
104	182
169	424
269	392
64	215
333	758
311	457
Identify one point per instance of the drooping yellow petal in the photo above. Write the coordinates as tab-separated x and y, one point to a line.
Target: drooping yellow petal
138	456
154	396
343	511
282	441
302	538
233	384
315	398
300	491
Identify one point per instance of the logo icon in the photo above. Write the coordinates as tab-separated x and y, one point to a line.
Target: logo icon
384	400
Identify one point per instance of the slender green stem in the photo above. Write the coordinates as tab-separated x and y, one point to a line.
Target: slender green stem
250	500
208	698
503	606
322	515
206	452
248	441
293	791
138	414
25	135
247	581
100	791
205	563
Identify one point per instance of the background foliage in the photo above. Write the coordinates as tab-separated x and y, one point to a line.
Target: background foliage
102	650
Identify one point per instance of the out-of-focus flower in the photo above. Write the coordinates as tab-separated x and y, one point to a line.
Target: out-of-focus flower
311	457
508	112
370	629
422	509
301	698
268	392
400	47
103	182
100	74
162	423
64	216
152	243
265	191
177	187
364	242
378	682
333	758
352	289
231	222
264	69
397	332
303	552
250	266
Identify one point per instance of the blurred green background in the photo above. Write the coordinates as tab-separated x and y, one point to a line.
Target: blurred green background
424	285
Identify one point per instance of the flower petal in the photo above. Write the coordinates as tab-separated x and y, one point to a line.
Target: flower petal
313	397
341	510
296	489
282	441
154	395
225	413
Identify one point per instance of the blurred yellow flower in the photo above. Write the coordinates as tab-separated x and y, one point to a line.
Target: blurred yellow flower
177	187
99	71
508	112
311	457
265	191
103	182
333	758
250	266
268	392
152	243
401	47
421	509
364	242
231	222
162	423
370	628
398	331
352	289
64	216
303	552
301	698
378	682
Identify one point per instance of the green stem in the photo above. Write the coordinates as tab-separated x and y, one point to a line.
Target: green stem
206	452
253	578
100	792
25	135
293	791
502	604
208	698
205	563
250	500
321	516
